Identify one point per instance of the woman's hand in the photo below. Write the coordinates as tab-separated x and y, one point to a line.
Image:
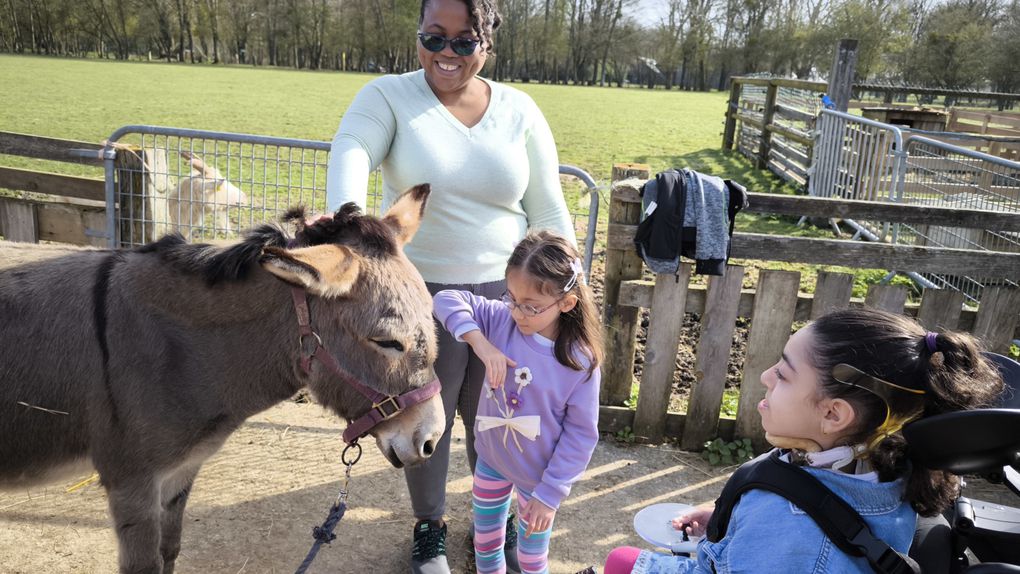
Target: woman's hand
695	520
538	516
495	361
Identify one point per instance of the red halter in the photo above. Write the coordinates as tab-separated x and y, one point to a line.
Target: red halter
383	406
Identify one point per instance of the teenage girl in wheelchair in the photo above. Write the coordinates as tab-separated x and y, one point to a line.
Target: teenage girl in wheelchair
834	407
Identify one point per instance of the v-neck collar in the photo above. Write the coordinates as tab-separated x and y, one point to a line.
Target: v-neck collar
423	85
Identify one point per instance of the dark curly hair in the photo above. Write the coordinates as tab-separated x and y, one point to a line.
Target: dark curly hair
485	19
891	347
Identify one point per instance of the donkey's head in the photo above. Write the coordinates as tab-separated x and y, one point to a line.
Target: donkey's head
372	312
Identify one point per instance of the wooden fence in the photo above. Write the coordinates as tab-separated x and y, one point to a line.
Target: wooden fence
773	307
62	208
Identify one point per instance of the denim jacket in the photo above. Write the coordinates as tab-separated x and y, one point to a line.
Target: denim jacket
767	533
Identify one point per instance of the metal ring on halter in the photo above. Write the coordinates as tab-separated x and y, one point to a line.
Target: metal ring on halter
343	455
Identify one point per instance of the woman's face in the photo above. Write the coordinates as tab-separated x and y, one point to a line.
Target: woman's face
446	71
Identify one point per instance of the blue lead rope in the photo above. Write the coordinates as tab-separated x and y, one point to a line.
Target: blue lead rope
323	535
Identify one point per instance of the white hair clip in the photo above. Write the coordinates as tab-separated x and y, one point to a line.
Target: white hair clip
578	276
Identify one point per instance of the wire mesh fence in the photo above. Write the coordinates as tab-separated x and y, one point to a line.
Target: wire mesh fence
210	185
941	174
856	158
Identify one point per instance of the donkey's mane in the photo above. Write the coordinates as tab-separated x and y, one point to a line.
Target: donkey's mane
368	235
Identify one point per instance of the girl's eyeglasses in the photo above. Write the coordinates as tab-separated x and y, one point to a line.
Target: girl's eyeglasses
528	310
435	43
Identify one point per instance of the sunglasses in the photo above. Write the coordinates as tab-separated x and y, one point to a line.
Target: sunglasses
526	309
435	43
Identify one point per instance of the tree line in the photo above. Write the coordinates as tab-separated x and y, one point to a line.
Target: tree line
696	44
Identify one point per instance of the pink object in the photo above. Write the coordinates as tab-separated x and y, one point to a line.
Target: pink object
621	560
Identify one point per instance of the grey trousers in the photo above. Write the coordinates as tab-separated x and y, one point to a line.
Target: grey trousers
461	374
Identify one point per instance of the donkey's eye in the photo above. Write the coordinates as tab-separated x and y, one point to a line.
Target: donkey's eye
389	344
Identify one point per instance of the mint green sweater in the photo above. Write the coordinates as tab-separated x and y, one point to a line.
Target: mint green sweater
490	183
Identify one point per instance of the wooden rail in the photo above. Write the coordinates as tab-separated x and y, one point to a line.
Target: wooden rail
776	305
64	208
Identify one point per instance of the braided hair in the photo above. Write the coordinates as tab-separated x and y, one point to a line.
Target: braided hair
485	19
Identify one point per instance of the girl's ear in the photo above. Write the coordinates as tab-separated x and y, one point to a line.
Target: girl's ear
567	303
839	416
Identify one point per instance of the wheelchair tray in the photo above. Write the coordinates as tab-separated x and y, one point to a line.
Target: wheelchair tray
966	442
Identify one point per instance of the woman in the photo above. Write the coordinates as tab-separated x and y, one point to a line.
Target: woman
489	155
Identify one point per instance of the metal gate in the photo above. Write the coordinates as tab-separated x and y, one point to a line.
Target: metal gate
208	185
857	158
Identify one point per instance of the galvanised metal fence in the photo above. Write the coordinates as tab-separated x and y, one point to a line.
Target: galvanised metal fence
856	158
208	185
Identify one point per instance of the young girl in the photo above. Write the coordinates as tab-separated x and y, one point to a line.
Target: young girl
537	417
836	401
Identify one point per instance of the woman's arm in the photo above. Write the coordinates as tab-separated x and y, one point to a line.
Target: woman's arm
361	143
543	200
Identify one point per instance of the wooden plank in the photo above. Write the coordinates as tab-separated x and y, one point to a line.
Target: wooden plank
832	292
664	326
39	147
730	126
638	293
71	224
890	298
52	183
614	419
858	254
790	134
622	264
997	317
940	309
798	205
714	344
770	329
18	221
794	114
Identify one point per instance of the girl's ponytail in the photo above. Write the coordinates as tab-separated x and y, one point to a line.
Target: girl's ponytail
948	366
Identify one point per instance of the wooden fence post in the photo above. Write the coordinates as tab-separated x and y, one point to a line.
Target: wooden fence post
997	317
669	296
832	291
142	184
732	105
18	221
620	323
940	309
722	298
892	298
775	302
841	78
766	125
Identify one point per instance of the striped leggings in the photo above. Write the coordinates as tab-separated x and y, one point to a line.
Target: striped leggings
491	494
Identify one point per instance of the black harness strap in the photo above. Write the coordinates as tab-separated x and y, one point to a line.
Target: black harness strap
843	525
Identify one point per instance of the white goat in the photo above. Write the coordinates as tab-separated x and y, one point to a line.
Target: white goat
203	192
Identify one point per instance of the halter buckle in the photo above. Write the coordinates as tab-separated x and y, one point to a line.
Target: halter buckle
388	402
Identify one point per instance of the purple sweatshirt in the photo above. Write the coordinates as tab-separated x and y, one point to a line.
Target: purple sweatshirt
540	394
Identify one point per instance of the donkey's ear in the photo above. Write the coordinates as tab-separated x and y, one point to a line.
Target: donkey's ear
327	270
405	215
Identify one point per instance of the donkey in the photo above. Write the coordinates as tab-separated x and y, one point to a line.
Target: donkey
141	363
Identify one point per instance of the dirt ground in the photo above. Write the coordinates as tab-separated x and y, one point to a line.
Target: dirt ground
254	505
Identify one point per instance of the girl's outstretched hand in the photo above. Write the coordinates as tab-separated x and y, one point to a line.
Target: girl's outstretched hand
495	361
538	516
695	520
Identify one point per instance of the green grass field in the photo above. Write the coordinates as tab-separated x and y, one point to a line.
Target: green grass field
594	127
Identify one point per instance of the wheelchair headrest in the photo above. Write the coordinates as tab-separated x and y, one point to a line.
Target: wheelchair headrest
1010	371
966	442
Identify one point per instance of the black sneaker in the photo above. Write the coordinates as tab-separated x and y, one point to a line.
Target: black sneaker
513	566
429	553
588	570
